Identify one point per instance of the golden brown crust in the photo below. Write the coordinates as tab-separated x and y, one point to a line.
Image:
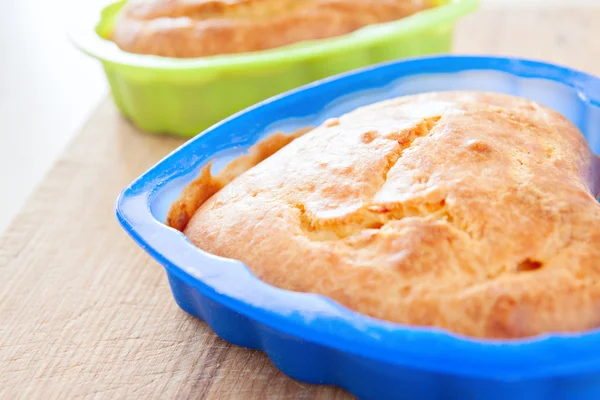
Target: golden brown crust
206	185
192	197
473	212
199	28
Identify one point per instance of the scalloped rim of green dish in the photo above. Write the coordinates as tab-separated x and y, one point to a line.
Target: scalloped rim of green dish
86	34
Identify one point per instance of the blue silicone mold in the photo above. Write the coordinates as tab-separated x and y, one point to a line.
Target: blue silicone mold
310	337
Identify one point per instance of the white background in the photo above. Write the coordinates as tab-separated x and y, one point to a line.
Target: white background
48	90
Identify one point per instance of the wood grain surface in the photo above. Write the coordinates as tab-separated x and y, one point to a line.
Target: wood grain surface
85	313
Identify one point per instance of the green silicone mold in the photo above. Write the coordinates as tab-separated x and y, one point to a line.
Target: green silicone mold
186	96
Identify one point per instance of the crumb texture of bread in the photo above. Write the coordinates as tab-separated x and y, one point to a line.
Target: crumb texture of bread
200	28
469	211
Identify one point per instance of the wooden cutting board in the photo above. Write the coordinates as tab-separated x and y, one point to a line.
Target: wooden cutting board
85	313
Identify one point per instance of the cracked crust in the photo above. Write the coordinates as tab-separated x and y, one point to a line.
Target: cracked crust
473	212
199	28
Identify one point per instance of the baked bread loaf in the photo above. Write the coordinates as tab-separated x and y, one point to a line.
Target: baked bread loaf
473	212
199	28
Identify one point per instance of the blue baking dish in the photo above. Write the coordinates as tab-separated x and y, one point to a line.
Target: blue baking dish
310	337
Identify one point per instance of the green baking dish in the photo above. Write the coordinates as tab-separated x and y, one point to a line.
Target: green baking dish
185	96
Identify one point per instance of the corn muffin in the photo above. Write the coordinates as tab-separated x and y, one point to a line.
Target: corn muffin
469	211
200	28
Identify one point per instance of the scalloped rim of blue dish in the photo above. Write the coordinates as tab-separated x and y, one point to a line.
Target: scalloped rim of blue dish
319	319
